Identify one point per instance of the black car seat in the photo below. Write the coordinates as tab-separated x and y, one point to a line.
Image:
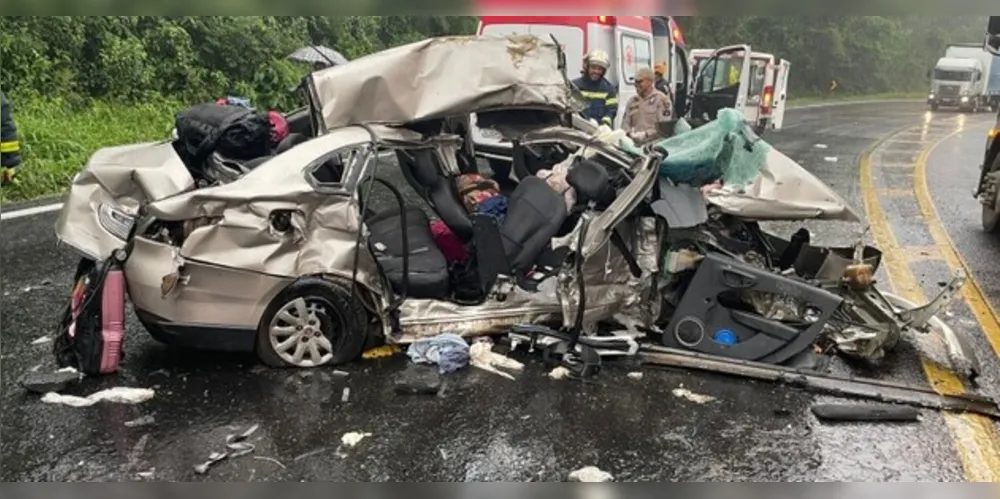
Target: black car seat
420	168
535	212
427	275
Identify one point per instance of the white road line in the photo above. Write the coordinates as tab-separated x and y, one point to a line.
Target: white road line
27	212
47	208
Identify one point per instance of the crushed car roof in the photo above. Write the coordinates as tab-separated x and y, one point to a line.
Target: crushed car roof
444	77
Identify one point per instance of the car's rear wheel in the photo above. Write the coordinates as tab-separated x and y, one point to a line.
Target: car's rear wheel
314	322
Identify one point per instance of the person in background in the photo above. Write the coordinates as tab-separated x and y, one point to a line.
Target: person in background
601	94
661	83
645	109
10	144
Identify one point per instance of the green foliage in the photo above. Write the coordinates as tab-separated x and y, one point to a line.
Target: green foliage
56	143
865	54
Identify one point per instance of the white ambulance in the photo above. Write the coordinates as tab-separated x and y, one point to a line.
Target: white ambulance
763	102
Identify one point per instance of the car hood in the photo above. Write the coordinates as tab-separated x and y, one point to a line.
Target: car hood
444	77
783	190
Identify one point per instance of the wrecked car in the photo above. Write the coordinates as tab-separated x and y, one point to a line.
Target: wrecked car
292	259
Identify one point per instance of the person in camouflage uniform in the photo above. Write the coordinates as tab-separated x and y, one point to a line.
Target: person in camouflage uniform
645	109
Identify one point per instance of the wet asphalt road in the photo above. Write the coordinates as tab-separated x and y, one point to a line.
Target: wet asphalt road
483	427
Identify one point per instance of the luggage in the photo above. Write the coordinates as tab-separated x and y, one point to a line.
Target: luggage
92	329
233	131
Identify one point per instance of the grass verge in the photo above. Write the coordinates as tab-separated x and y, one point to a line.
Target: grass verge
56	140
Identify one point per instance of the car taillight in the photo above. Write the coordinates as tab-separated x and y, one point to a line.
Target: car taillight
768	100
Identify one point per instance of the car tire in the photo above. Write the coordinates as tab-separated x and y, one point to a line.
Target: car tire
315	321
991	215
934	107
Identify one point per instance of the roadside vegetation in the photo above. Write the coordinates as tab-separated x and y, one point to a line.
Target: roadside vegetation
81	83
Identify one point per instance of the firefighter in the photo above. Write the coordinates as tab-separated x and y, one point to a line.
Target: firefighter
646	108
661	83
10	146
601	94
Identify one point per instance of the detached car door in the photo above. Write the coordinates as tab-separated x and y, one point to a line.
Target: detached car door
721	81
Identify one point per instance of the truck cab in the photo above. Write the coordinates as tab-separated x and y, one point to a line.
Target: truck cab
957	82
763	103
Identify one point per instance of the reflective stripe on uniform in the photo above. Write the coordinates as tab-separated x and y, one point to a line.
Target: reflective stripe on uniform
612	101
11	146
594	95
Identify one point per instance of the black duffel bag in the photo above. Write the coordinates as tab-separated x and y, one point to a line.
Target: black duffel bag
232	131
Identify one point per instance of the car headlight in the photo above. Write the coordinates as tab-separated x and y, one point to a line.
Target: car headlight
965	98
931	96
115	221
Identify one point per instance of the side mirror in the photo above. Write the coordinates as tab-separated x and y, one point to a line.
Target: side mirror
992	43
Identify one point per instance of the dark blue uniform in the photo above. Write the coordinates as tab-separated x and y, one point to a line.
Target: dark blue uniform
10	146
602	96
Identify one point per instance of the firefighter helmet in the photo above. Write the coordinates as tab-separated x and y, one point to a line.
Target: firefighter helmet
598	58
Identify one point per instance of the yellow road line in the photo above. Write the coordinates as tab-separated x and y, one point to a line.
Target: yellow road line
973	293
976	441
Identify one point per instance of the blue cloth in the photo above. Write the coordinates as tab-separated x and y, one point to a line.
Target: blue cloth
233	100
448	350
494	206
602	99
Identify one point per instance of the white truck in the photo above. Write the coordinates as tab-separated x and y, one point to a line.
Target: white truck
991	68
959	81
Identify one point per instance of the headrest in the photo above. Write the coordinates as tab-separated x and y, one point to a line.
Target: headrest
591	181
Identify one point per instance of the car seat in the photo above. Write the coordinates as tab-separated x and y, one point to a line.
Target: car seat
420	169
427	269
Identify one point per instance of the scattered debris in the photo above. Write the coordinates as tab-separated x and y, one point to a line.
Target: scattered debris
147	475
418	380
118	394
45	382
381	352
636	375
350	439
481	355
236	446
830	159
559	373
344	397
272	460
448	351
820	146
684	393
42	340
338	372
140	421
591	474
866	412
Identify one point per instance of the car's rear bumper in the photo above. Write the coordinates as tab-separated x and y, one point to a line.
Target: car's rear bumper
198	336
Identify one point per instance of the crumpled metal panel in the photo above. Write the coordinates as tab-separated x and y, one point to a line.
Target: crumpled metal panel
121	176
783	190
450	76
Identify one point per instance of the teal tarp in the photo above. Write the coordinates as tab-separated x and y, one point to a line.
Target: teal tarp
723	149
